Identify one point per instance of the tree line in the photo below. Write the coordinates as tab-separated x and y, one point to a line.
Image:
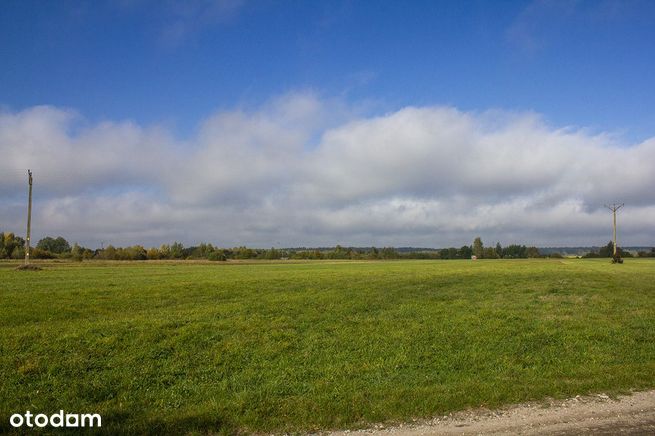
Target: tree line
13	247
478	249
608	251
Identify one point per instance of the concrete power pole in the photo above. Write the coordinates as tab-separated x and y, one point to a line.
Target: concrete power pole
29	219
614	208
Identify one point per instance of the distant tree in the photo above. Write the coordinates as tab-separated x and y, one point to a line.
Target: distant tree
10	243
478	247
46	244
499	250
607	251
202	251
421	255
216	255
489	253
54	245
650	253
152	253
532	252
177	250
3	251
338	253
373	253
36	253
244	253
12	246
109	253
388	253
18	252
464	252
136	252
165	251
62	245
515	251
77	253
7	239
121	254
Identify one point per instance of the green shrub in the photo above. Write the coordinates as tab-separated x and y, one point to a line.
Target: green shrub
216	256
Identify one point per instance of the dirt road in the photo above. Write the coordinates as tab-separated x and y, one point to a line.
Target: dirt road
600	415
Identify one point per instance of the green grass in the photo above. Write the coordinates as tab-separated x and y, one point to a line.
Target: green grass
174	348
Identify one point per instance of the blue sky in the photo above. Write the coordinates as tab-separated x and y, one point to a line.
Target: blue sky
352	122
585	63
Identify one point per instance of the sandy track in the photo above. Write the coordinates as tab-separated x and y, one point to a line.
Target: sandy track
632	414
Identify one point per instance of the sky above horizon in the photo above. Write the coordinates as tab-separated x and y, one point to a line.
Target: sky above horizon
273	123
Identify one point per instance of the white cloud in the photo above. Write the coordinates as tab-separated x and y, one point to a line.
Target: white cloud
302	170
70	158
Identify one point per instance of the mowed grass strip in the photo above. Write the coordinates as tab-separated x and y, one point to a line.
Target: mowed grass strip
175	348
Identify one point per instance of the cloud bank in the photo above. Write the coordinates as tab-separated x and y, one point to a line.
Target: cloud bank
305	170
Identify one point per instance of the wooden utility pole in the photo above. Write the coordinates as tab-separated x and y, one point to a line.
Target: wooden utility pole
614	208
29	219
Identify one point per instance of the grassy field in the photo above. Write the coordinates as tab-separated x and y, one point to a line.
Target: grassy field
174	348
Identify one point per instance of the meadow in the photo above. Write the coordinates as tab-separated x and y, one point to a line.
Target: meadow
170	348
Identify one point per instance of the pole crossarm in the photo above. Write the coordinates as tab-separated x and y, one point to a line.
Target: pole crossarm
614	207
